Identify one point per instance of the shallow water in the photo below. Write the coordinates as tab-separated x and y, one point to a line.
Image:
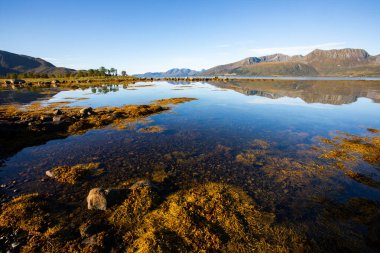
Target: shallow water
203	138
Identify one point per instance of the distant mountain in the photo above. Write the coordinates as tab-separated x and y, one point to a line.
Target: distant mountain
16	63
337	62
170	73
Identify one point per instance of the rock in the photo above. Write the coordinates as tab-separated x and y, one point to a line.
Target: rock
101	199
141	184
45	118
374	230
57	112
15	244
55	81
97	199
57	119
17	81
49	173
86	111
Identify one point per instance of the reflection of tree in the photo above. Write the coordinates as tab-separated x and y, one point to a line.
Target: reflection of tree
105	89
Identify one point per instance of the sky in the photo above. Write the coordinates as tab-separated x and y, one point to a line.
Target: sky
156	35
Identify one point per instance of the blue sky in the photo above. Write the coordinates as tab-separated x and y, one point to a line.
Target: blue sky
153	35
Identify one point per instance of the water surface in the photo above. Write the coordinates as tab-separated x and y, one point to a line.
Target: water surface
204	138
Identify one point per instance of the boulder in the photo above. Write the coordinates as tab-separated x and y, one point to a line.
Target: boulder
97	199
101	199
55	81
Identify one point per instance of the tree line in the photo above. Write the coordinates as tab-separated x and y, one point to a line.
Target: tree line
102	71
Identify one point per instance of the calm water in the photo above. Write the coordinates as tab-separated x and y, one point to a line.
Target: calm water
203	138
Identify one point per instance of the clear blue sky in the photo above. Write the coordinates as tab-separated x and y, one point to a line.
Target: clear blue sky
153	35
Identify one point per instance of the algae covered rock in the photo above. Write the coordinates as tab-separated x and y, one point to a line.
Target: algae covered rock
73	174
26	212
208	218
142	199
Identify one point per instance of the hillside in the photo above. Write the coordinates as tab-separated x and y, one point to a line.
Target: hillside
170	73
15	63
337	62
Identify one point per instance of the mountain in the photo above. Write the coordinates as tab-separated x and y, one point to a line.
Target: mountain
170	73
336	62
16	63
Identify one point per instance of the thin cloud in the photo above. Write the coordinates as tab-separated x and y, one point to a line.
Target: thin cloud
296	49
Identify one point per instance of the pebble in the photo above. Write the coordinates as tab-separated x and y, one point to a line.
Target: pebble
15	244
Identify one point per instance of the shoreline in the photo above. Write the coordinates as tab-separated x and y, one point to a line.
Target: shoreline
14	84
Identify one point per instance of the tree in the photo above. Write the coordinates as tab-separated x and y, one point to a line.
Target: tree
103	70
113	71
124	73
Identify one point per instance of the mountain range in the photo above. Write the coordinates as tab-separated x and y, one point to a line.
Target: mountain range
336	62
170	73
16	63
